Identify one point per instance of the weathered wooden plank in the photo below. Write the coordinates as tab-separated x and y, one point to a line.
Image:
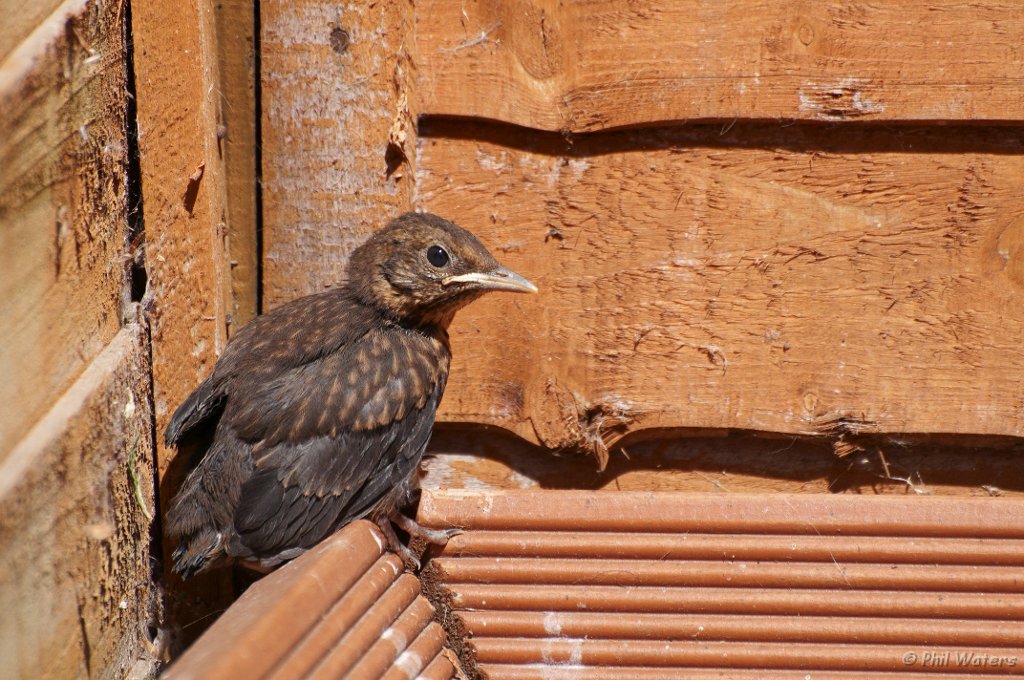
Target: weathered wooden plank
63	207
76	502
461	458
578	66
770	278
183	184
236	116
20	20
187	251
338	115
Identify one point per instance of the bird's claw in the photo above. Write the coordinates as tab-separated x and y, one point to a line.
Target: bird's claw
396	545
413	528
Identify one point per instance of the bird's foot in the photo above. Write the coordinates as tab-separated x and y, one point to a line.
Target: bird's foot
413	528
396	545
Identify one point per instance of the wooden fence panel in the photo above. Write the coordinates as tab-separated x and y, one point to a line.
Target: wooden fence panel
76	503
338	130
183	182
76	458
745	274
186	183
770	278
63	207
580	66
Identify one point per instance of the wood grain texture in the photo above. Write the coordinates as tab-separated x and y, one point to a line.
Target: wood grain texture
183	184
599	585
579	66
76	502
21	19
790	279
63	208
488	460
236	132
185	205
338	128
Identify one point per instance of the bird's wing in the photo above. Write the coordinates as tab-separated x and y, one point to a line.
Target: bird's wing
287	338
205	402
335	437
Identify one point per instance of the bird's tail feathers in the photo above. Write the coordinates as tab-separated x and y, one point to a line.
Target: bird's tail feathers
199	552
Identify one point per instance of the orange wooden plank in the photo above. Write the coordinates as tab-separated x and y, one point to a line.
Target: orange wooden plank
752	656
725	513
337	126
277	613
783	279
377	583
741	627
582	66
753	547
674	573
187	258
343	607
543	672
184	200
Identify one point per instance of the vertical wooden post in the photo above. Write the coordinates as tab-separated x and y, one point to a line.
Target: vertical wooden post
338	129
237	56
184	189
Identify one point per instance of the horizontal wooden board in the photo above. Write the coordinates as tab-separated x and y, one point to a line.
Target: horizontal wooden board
76	503
21	19
578	66
490	460
63	208
773	278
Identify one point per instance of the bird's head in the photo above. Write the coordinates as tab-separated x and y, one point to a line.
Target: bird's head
423	268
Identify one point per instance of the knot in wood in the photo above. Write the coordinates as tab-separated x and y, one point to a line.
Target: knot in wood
340	39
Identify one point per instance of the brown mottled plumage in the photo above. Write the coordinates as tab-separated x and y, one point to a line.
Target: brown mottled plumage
318	412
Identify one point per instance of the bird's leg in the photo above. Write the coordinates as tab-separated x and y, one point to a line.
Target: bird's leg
396	545
414	528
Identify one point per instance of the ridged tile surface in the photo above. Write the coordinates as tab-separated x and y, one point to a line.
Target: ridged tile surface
343	610
570	584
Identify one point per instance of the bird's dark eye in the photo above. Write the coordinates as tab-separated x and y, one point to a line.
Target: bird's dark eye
438	256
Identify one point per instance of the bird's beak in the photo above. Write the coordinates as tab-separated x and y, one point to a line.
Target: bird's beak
496	279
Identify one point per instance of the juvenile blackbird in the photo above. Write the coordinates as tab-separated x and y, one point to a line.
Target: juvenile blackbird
318	412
